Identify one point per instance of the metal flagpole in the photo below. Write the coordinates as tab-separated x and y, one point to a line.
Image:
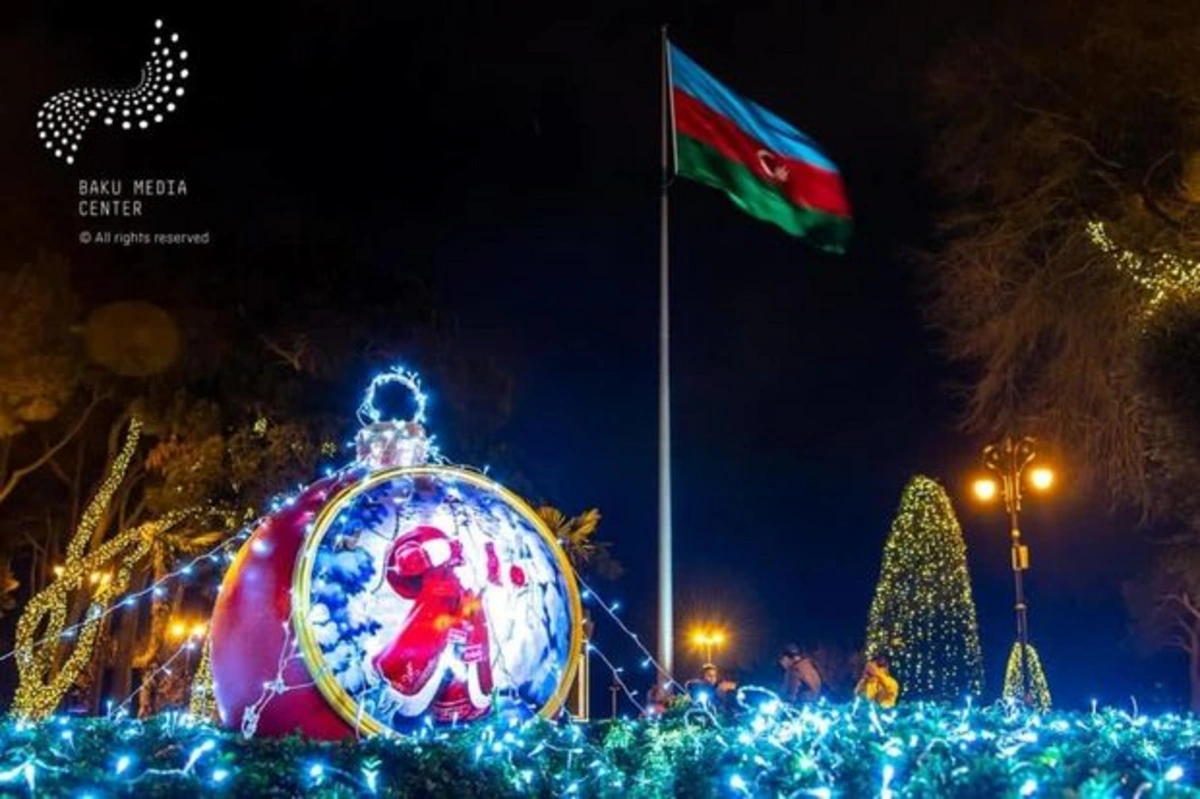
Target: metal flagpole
665	574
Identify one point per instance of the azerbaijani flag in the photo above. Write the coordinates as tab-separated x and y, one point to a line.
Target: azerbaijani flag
768	168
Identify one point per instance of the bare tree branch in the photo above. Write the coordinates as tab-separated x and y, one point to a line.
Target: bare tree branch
20	474
293	356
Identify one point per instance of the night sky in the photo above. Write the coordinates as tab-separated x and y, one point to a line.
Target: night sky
508	156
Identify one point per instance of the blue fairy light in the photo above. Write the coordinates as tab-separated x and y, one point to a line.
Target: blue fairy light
369	412
885	791
207	746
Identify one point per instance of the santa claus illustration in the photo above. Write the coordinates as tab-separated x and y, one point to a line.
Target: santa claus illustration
440	660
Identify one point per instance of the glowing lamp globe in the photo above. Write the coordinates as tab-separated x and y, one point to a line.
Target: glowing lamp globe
1041	478
985	489
395	595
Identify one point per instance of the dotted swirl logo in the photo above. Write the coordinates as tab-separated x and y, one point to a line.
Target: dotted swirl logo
67	116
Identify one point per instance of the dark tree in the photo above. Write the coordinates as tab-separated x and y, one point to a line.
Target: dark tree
1165	605
1067	149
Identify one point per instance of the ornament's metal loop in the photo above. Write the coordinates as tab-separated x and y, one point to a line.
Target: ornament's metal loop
369	413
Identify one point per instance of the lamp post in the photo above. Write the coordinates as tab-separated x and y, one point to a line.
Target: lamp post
1009	460
708	640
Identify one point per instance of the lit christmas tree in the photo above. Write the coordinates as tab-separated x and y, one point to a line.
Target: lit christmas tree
923	615
1039	688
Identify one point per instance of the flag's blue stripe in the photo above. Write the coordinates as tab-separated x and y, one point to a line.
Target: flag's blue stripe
766	127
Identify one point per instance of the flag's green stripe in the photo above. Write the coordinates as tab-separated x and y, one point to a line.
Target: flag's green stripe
704	164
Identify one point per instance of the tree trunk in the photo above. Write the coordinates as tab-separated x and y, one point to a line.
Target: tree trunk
122	667
1194	675
156	650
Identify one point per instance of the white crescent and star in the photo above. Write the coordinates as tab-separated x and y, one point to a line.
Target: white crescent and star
772	166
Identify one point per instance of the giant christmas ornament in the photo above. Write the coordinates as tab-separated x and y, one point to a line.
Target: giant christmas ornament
398	593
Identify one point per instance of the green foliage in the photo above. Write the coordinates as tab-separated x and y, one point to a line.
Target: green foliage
930	751
577	534
39	358
923	615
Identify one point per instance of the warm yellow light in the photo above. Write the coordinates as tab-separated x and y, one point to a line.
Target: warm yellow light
1041	478
709	637
985	489
58	571
177	629
198	629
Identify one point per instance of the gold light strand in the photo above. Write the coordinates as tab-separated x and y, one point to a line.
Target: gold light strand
42	627
1039	688
923	617
1163	278
202	704
40	689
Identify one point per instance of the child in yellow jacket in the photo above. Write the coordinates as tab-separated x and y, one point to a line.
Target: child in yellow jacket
877	684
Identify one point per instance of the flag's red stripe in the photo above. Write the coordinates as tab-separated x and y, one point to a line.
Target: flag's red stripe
806	185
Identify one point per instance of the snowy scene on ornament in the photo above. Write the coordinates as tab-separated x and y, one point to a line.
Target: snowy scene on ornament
433	595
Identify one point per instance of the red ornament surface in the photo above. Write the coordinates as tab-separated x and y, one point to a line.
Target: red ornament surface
252	628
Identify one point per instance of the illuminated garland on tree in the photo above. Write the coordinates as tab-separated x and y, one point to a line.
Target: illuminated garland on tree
1162	278
923	615
42	628
202	704
1039	688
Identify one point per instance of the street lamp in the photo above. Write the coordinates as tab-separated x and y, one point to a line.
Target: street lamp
178	629
708	639
1009	460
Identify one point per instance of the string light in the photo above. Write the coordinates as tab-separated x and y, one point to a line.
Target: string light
923	617
202	701
589	594
156	590
1039	687
1163	278
616	671
369	412
41	686
769	747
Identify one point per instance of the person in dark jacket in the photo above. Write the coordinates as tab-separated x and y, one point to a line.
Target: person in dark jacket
801	678
710	689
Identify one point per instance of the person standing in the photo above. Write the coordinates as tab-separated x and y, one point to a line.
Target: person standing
801	677
877	684
710	690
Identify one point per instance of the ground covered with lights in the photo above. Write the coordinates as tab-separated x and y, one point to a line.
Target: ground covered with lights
850	750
